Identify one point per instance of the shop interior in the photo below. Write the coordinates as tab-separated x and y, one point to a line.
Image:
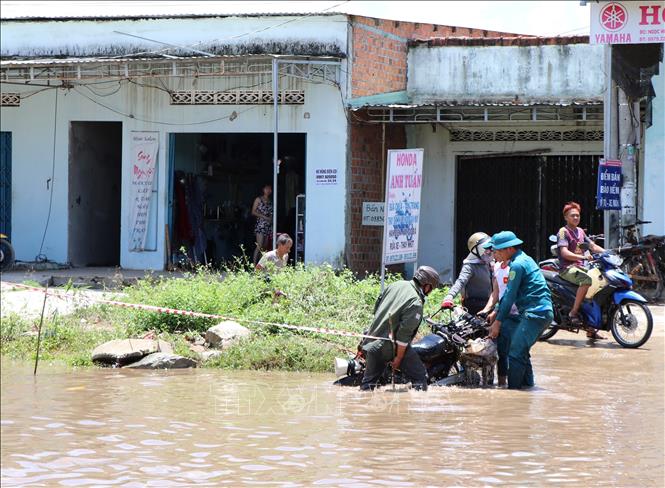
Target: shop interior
216	177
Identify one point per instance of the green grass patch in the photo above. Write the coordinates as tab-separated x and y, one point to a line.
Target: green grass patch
317	296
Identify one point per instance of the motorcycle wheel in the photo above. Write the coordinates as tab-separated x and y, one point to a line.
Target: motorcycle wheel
635	327
649	289
551	329
6	255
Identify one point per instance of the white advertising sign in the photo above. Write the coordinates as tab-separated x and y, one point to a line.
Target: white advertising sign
402	212
373	213
627	22
326	176
144	147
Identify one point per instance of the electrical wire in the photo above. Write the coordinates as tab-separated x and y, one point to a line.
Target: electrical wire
42	257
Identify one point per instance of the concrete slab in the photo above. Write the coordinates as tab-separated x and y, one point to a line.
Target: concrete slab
93	277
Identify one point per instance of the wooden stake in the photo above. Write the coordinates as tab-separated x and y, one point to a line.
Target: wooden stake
39	333
167	246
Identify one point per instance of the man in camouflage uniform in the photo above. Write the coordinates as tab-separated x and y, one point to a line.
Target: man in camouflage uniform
397	316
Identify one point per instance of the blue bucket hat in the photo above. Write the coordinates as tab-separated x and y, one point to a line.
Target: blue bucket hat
502	240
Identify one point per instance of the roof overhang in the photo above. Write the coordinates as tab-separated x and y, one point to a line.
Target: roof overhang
87	68
480	111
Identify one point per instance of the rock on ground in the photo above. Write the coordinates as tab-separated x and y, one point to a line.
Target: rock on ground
208	355
120	352
163	360
226	333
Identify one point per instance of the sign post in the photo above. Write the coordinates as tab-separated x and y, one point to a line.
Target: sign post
402	208
608	190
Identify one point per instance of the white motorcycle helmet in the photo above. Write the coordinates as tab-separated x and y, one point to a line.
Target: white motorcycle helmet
474	243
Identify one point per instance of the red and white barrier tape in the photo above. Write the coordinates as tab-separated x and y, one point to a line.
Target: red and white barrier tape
188	313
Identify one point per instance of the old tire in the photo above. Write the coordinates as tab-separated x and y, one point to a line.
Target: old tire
6	255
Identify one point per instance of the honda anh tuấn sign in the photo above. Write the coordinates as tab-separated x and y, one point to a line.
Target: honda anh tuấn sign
627	22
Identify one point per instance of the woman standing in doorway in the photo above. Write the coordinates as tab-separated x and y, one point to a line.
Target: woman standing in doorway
262	209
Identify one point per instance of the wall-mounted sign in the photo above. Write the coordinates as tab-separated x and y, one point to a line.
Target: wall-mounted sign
144	147
326	176
627	22
373	213
405	178
608	192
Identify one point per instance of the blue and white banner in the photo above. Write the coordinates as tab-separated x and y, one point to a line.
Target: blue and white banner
402	209
608	191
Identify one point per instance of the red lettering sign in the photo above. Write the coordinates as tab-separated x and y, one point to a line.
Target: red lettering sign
651	11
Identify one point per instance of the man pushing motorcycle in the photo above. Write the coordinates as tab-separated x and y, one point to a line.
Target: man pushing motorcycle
528	291
397	316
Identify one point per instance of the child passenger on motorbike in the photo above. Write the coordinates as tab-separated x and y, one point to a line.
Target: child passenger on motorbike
572	242
475	278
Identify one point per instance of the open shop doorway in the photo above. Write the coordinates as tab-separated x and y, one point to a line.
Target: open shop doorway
95	171
215	178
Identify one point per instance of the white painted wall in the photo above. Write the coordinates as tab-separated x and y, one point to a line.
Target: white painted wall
503	73
95	38
653	174
32	125
437	226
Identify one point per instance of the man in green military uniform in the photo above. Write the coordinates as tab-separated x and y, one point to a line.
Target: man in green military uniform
397	316
528	291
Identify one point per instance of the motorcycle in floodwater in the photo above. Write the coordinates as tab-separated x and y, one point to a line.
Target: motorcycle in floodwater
6	253
610	304
441	352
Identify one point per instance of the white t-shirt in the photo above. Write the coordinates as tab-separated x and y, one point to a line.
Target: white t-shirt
272	257
501	274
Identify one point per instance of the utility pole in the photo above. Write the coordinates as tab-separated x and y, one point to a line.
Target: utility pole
610	144
629	122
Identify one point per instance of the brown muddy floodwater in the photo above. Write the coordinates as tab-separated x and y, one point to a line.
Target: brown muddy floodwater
596	419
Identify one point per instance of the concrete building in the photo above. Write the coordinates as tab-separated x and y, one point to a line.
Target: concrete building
79	94
512	127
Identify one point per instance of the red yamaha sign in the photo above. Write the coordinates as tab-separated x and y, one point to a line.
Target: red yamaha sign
627	22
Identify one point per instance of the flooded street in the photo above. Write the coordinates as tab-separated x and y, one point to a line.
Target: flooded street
596	419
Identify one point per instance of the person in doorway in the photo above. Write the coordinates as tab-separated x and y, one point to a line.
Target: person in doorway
528	291
278	257
501	271
475	278
262	209
397	316
572	243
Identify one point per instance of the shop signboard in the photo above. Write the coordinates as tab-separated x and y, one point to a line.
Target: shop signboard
373	213
627	22
402	209
144	147
608	192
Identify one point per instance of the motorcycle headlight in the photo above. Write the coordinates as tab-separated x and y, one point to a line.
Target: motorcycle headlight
614	259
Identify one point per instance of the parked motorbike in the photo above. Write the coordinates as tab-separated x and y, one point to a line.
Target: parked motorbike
6	253
610	303
551	264
644	260
440	351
